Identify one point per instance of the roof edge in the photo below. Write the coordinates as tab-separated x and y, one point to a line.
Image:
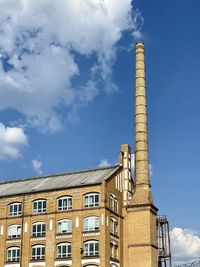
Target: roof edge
64	173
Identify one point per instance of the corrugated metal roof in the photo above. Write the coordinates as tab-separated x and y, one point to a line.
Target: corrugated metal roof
58	181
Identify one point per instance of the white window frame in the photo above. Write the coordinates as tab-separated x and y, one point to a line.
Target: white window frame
43	207
65	203
64	226
91	248
14	254
65	250
113	203
113	251
91	223
15	209
34	252
14	231
91	200
114	226
40	229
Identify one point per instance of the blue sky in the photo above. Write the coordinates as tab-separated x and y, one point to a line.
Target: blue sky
67	95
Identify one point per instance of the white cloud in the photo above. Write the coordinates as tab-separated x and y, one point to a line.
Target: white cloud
138	22
104	163
185	245
37	46
36	164
12	141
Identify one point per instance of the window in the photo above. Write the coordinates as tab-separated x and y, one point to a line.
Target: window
91	224
113	226
91	200
115	205
38	229
14	231
113	202
64	226
39	206
91	248
65	203
64	250
15	209
116	252
13	254
113	251
38	252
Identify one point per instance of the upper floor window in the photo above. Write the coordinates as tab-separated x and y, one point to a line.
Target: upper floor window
113	251
91	200
64	226
65	203
39	206
38	252
13	254
15	209
14	231
113	202
91	248
38	229
64	250
91	224
113	226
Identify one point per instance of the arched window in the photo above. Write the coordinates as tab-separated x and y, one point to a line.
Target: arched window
64	226
39	206
114	226
91	200
38	229
113	251
38	252
91	248
113	202
15	209
64	250
65	203
14	231
91	223
13	254
116	252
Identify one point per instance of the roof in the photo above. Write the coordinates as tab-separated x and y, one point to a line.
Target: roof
57	181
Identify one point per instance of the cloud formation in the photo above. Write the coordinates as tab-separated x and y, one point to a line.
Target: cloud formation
104	163
36	164
38	46
185	245
12	141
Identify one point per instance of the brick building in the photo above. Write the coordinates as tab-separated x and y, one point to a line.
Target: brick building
100	217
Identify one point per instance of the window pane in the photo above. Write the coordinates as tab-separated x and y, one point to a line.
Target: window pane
91	200
15	209
91	248
13	254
